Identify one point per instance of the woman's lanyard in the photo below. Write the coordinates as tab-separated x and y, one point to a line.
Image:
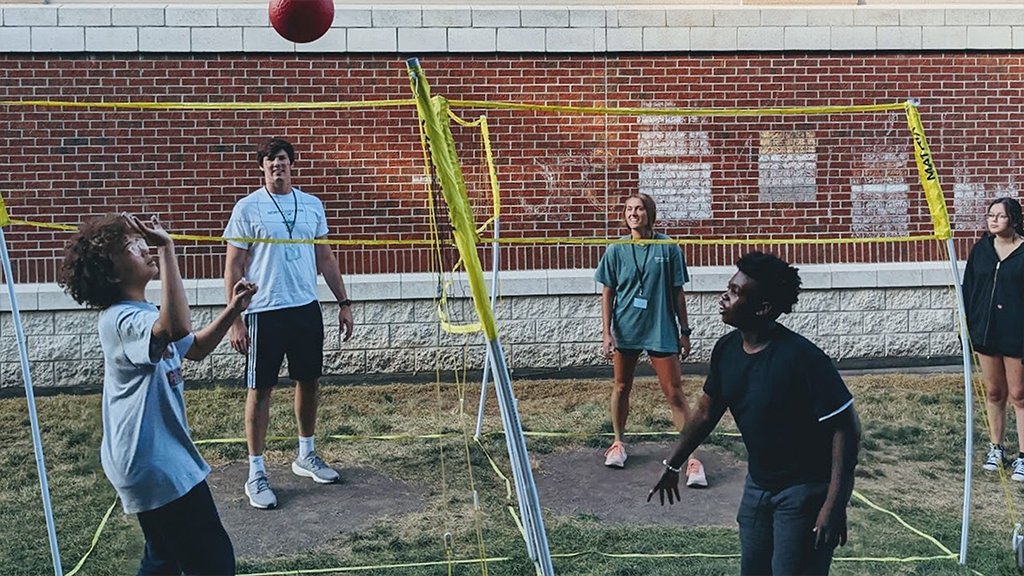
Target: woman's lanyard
640	302
290	226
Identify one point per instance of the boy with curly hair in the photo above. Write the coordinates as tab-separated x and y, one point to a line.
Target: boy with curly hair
147	452
797	420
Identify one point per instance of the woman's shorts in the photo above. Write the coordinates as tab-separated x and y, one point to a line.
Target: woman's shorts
996	350
633	353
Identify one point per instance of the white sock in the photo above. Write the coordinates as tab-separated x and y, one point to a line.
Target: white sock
305	446
256	466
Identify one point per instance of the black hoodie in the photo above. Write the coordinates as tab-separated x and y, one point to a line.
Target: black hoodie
994	297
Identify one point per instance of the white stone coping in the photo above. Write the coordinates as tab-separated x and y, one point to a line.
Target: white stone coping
461	28
376	287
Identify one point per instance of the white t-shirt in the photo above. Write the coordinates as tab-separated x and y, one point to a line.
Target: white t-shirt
285	273
146	452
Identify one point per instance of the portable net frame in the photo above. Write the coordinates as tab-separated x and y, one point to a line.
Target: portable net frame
845	184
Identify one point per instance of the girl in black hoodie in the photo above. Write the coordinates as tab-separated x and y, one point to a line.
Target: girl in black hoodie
994	295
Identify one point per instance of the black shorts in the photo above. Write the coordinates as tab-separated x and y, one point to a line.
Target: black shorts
297	333
634	353
997	344
997	350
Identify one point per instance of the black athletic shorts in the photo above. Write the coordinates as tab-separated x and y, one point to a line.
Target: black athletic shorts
997	350
634	353
997	344
297	333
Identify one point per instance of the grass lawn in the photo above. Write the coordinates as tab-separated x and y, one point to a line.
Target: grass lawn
911	464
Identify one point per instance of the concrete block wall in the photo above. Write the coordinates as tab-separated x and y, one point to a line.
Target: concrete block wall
548	319
512	28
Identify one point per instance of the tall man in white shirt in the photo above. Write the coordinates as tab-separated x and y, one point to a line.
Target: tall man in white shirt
284	319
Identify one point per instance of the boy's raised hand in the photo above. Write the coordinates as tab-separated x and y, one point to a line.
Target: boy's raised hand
153	233
242	294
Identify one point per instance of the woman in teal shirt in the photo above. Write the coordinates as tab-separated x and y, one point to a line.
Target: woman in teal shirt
642	308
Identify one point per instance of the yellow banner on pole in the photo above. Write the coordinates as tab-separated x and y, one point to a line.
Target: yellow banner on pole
929	175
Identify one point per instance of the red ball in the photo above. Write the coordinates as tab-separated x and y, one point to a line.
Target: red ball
301	20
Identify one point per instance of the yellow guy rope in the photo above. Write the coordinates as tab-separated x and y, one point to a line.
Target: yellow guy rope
441	305
485	136
625	111
95	539
713	241
978	385
212	105
460	386
511	509
947	553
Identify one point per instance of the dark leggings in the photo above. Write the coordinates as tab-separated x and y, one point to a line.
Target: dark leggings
186	537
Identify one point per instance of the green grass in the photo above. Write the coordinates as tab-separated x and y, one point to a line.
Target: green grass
911	464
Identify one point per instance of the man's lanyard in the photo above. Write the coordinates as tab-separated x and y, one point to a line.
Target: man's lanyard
295	215
641	271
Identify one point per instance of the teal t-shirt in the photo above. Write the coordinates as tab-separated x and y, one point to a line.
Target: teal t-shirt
648	271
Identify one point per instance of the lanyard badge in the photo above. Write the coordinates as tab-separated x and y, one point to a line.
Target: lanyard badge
641	272
291	251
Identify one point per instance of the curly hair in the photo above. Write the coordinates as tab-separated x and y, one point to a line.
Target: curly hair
87	272
777	281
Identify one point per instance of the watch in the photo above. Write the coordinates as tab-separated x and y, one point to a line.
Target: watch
345	302
686	332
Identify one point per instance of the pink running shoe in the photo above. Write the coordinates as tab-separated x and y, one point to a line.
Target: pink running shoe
615	456
695	477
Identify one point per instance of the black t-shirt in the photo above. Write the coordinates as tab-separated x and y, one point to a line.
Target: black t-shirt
780	398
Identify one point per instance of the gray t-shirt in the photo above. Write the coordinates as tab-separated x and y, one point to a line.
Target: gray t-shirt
644	272
147	452
285	273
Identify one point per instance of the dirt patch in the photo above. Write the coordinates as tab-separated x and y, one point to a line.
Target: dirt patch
307	513
578	483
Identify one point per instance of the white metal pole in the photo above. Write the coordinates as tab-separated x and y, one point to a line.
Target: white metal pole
33	417
495	265
507	408
529	501
968	403
483	395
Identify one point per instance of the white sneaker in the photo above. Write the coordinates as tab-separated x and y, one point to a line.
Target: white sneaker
1018	470
615	456
313	467
259	492
695	476
995	458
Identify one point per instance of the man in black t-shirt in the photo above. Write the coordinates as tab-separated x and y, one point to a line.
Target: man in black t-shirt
797	420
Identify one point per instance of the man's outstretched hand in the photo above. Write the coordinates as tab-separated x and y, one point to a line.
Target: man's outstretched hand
668	484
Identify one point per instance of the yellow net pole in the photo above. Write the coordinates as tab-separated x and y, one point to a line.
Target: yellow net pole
433	114
943	231
929	175
453	187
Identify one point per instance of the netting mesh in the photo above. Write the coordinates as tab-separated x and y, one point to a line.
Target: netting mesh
780	178
561	175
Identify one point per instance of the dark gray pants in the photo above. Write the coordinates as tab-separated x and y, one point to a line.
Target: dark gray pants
776	536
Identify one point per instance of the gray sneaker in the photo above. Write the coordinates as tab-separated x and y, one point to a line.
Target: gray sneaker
313	467
259	492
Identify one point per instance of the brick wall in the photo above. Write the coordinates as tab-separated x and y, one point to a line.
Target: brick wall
561	175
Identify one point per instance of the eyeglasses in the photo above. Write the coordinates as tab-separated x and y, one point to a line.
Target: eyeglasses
997	216
136	245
